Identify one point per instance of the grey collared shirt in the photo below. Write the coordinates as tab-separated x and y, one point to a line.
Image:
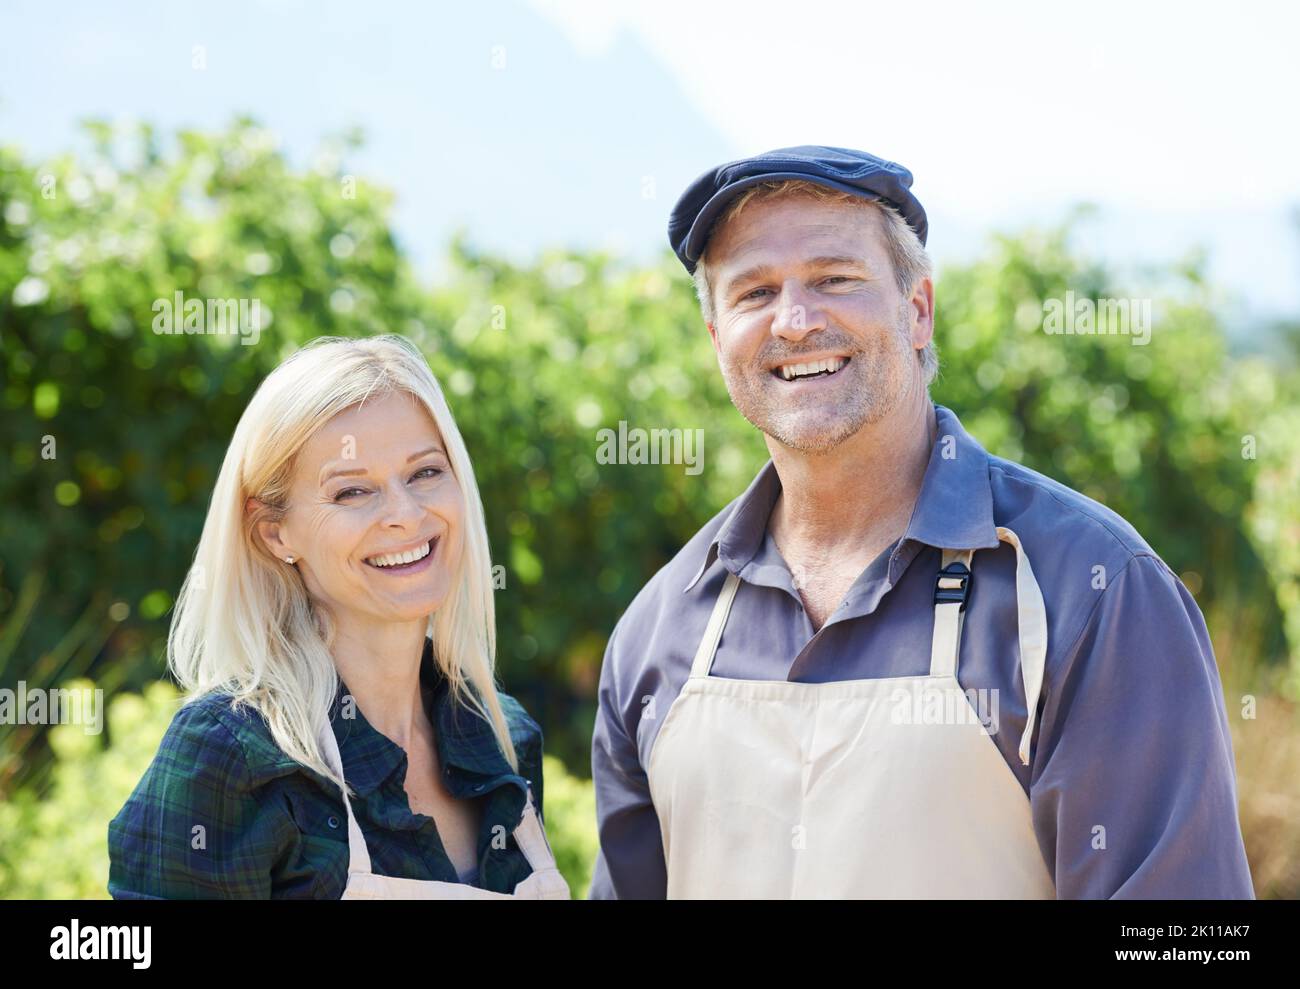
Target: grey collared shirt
1131	782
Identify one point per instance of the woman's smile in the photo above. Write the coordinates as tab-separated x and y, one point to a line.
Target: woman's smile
405	561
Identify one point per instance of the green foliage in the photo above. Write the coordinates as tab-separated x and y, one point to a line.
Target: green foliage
570	818
56	841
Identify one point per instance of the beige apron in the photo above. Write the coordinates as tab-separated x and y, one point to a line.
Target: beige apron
881	788
544	883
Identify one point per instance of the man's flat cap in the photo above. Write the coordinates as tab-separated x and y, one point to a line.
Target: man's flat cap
854	172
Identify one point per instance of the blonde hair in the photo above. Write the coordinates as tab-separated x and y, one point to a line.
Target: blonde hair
906	253
244	622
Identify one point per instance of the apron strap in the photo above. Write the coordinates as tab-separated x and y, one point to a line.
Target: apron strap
1032	617
358	853
531	838
951	590
713	631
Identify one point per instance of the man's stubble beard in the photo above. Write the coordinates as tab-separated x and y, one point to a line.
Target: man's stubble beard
878	381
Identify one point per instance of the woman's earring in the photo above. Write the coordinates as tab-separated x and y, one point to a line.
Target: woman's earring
288	559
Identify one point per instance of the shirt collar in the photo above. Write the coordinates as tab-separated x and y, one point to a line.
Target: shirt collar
954	509
466	742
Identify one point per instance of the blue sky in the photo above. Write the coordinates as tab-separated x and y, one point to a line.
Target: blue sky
577	123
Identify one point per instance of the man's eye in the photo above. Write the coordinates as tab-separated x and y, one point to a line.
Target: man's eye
751	293
835	278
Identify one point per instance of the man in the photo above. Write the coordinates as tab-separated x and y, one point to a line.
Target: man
896	665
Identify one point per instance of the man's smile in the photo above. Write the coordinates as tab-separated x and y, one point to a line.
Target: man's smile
807	370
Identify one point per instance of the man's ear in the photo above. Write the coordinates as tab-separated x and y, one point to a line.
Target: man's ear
922	305
269	532
713	334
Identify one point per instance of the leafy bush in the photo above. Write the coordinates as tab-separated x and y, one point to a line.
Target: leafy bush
56	842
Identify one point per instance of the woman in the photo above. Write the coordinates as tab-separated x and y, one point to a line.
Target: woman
342	735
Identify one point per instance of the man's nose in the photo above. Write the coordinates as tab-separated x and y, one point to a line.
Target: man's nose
797	312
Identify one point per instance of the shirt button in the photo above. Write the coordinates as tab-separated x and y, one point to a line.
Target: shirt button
333	821
478	787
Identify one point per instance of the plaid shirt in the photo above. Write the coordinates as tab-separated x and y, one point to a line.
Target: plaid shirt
272	828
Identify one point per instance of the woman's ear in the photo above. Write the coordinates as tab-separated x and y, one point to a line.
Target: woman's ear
271	533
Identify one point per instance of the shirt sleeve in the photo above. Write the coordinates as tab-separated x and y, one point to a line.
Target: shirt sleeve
1134	794
193	827
630	863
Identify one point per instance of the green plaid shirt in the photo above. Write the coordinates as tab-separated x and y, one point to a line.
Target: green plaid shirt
272	828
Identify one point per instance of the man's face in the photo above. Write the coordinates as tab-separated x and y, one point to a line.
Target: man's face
797	281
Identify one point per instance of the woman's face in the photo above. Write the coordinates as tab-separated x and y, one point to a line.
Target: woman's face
375	516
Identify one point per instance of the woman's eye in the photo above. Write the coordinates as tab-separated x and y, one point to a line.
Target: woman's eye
424	473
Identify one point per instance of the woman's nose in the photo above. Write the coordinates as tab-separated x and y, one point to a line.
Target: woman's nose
401	506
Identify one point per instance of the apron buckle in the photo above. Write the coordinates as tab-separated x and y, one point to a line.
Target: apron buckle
953	585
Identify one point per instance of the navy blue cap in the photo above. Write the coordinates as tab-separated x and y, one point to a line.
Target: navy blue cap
851	171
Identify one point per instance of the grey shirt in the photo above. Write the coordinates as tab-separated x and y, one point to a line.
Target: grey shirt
1132	735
